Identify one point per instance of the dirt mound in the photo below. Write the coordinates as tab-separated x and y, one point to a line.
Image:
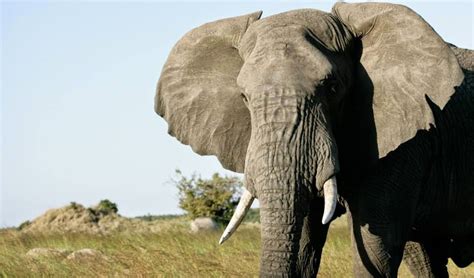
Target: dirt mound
78	219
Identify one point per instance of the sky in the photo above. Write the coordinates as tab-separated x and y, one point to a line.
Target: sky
77	87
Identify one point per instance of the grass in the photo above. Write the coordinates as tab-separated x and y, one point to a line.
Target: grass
171	252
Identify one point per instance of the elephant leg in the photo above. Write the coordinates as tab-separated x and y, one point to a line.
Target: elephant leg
375	254
427	258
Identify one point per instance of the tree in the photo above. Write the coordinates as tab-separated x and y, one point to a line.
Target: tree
215	197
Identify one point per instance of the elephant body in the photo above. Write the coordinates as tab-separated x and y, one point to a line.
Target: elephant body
427	257
424	257
319	111
422	192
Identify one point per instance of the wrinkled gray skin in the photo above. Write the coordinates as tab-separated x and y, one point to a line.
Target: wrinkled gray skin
431	250
422	193
294	99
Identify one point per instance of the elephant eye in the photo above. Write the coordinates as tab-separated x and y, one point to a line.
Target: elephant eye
329	83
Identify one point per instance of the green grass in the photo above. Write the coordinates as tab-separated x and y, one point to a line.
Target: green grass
171	252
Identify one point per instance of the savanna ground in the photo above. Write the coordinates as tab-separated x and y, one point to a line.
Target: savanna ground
171	252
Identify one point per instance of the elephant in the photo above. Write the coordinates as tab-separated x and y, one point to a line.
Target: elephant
307	104
428	259
419	197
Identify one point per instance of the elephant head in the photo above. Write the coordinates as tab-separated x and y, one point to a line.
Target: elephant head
274	98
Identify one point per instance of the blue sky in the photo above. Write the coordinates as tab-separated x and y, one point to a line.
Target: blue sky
77	89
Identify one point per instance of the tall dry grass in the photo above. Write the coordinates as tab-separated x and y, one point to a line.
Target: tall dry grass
171	252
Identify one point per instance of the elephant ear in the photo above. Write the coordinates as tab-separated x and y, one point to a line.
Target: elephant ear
197	93
405	60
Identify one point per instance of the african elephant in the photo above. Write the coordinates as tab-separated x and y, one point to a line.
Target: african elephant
422	192
305	103
427	255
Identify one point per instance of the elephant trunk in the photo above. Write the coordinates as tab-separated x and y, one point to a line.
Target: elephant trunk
281	214
281	227
293	154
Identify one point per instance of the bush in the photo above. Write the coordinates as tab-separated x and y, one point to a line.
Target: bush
24	225
74	205
215	197
106	207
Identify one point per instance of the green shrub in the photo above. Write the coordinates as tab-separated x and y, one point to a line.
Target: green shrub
74	205
106	207
24	225
215	197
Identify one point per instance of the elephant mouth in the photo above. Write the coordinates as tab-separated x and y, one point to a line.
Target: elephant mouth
246	200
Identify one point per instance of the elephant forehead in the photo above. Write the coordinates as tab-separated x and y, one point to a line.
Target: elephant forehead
284	68
324	26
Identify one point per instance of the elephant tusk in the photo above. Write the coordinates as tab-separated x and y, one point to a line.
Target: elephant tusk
240	211
330	199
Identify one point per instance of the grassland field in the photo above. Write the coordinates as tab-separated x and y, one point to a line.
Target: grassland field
171	252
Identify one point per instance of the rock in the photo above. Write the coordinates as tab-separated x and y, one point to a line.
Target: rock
87	255
203	224
47	253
